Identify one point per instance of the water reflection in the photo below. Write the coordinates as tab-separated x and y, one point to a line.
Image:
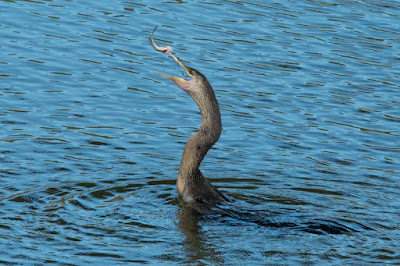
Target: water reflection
196	246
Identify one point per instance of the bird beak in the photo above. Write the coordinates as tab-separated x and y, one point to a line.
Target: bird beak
174	79
182	83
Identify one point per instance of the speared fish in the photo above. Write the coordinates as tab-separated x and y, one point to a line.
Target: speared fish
165	49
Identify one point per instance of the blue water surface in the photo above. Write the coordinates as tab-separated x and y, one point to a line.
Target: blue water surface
91	139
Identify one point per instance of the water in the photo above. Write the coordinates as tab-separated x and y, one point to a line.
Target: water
91	139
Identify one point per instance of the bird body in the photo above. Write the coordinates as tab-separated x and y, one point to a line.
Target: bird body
191	184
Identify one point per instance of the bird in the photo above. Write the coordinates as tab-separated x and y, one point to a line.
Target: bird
193	187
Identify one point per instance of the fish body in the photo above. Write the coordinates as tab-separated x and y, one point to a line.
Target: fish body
163	49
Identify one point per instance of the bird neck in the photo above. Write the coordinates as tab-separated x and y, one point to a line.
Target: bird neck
198	144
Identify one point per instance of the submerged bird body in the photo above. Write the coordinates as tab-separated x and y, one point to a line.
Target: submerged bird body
191	184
